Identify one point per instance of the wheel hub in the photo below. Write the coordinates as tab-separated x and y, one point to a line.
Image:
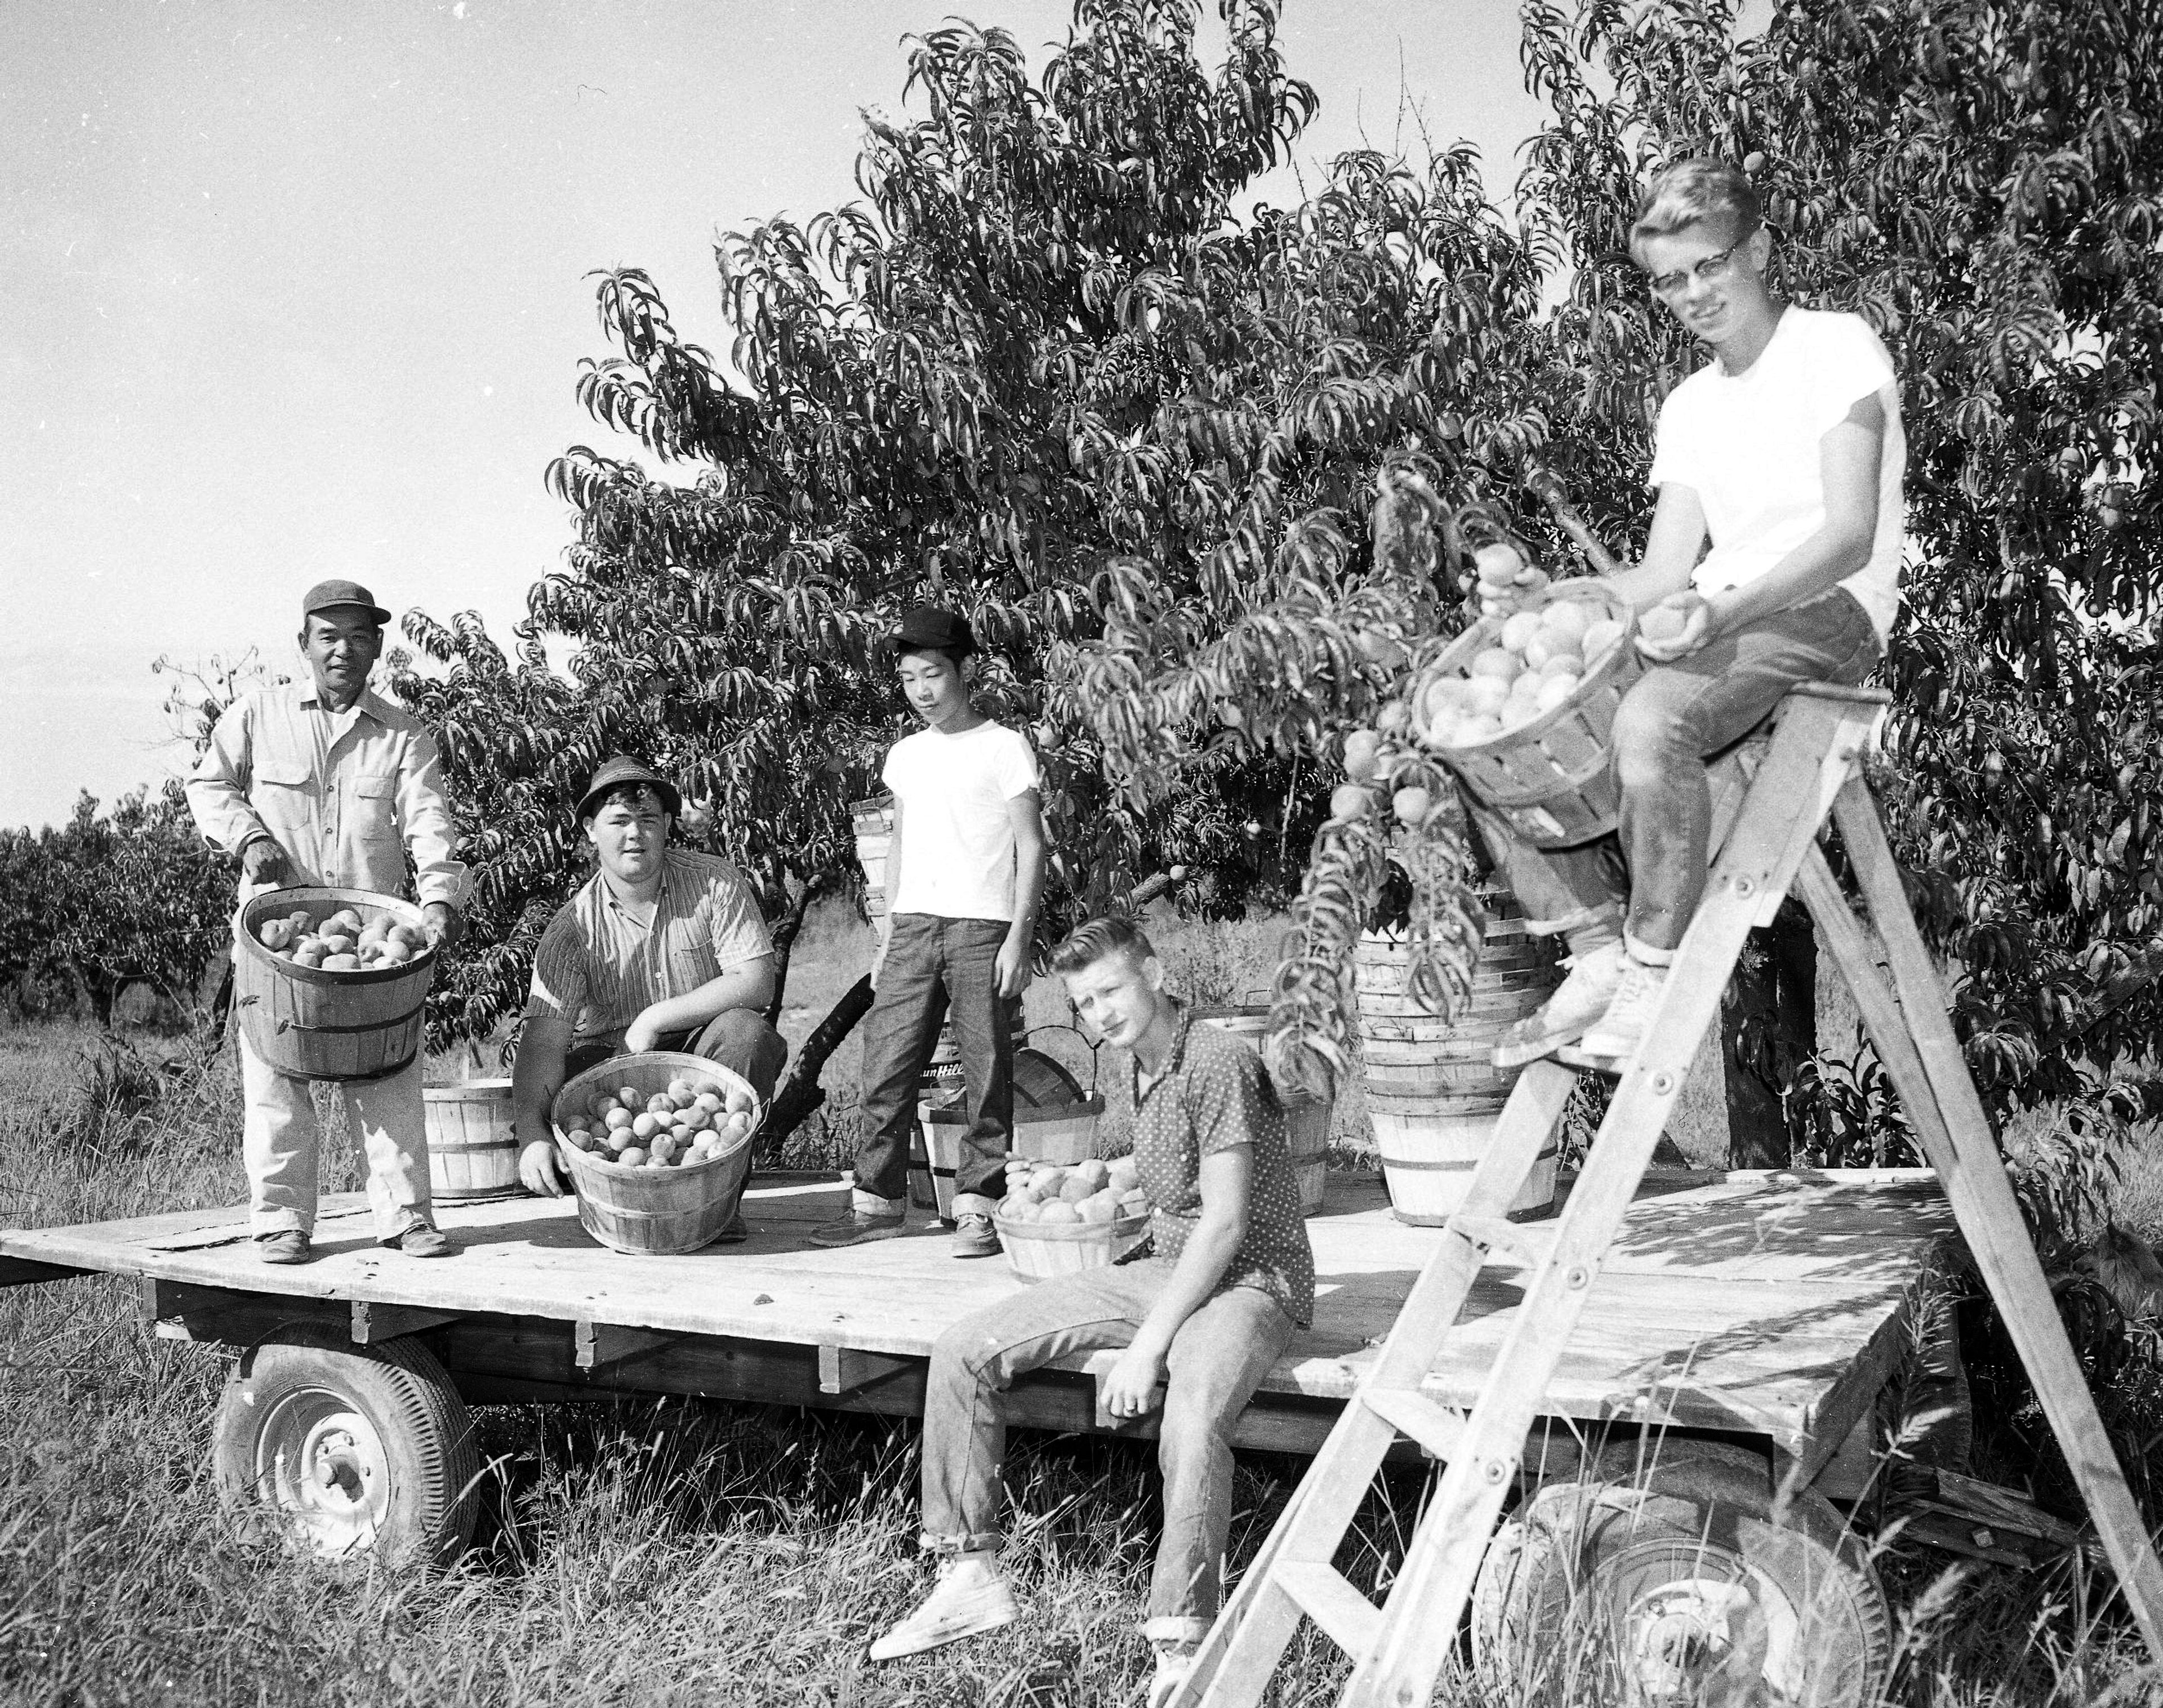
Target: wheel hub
322	1464
1682	1609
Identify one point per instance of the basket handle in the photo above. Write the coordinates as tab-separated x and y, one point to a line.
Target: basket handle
1094	1049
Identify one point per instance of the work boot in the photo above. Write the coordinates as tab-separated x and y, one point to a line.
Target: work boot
286	1245
971	1598
419	1239
859	1227
1581	1000
1617	1033
974	1236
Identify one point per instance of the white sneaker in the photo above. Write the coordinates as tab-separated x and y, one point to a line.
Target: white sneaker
1578	1001
971	1598
1172	1669
1618	1031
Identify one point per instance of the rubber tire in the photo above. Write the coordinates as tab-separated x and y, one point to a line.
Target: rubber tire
1557	1546
402	1390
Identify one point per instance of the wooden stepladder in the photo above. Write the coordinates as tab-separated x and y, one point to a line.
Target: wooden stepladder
1810	771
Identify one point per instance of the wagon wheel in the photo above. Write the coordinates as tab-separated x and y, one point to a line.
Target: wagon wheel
1679	1586
353	1449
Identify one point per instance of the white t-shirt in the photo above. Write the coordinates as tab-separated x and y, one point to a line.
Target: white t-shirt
1748	445
957	841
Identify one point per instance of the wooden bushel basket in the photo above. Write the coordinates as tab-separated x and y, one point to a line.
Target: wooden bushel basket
1065	1133
654	1212
473	1147
1553	779
308	1024
1035	1251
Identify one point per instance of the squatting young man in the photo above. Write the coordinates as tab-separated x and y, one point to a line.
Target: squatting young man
663	948
1203	1314
1785	452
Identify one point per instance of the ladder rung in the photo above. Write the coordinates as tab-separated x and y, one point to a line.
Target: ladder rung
1351	1621
1501	1239
1436	1426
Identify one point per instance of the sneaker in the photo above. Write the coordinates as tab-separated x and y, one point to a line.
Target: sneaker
1618	1033
974	1236
1174	1666
1582	999
420	1241
288	1245
971	1598
859	1226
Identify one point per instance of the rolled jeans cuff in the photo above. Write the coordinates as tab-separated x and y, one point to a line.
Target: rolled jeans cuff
1169	1628
977	1542
870	1204
973	1203
1608	913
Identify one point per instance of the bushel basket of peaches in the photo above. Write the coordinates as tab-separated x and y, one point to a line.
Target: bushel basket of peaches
330	983
1056	1219
1521	707
658	1147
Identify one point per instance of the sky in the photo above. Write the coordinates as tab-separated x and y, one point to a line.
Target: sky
291	292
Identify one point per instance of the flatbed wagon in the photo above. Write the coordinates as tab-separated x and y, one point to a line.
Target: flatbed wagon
1764	1309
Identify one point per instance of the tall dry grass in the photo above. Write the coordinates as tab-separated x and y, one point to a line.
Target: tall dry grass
659	1552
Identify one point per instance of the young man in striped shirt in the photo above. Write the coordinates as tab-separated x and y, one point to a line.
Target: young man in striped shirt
663	949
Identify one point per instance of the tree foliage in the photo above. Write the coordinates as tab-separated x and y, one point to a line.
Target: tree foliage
1206	483
1981	182
110	900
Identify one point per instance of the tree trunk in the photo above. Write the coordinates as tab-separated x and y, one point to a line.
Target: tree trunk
800	1092
784	942
1767	1030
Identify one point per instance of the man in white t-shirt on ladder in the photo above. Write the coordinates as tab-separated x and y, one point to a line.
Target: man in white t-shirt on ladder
964	878
1786	451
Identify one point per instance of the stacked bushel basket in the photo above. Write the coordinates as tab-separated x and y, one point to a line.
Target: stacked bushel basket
1434	1092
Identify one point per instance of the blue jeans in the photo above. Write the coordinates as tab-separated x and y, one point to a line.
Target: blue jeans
935	967
1677	718
1218	1358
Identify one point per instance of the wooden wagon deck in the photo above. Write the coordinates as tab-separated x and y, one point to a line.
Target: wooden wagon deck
1770	1305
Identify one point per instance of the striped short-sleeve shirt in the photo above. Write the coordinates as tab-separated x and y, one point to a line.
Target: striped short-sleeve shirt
599	969
1214	1092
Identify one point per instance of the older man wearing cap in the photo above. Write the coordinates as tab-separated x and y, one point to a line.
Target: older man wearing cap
325	782
663	949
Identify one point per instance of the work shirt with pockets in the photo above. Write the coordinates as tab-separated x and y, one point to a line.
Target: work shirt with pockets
347	795
1214	1093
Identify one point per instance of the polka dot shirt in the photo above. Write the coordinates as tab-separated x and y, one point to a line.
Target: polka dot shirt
1214	1093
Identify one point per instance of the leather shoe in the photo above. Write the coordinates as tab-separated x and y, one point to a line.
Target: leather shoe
287	1246
420	1241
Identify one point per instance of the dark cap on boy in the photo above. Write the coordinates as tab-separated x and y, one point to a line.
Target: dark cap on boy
928	628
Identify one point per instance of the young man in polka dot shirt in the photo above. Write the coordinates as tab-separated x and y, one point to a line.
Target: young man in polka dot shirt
1205	1313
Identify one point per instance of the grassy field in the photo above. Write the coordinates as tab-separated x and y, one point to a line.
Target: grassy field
661	1552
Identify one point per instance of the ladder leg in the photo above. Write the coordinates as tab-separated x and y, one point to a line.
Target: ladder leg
1915	1040
1234	1663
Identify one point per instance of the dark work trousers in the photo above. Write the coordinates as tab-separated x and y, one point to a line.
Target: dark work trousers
1767	1030
934	969
736	1038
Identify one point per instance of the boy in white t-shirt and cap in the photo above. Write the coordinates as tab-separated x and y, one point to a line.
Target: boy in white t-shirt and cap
964	877
1785	451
